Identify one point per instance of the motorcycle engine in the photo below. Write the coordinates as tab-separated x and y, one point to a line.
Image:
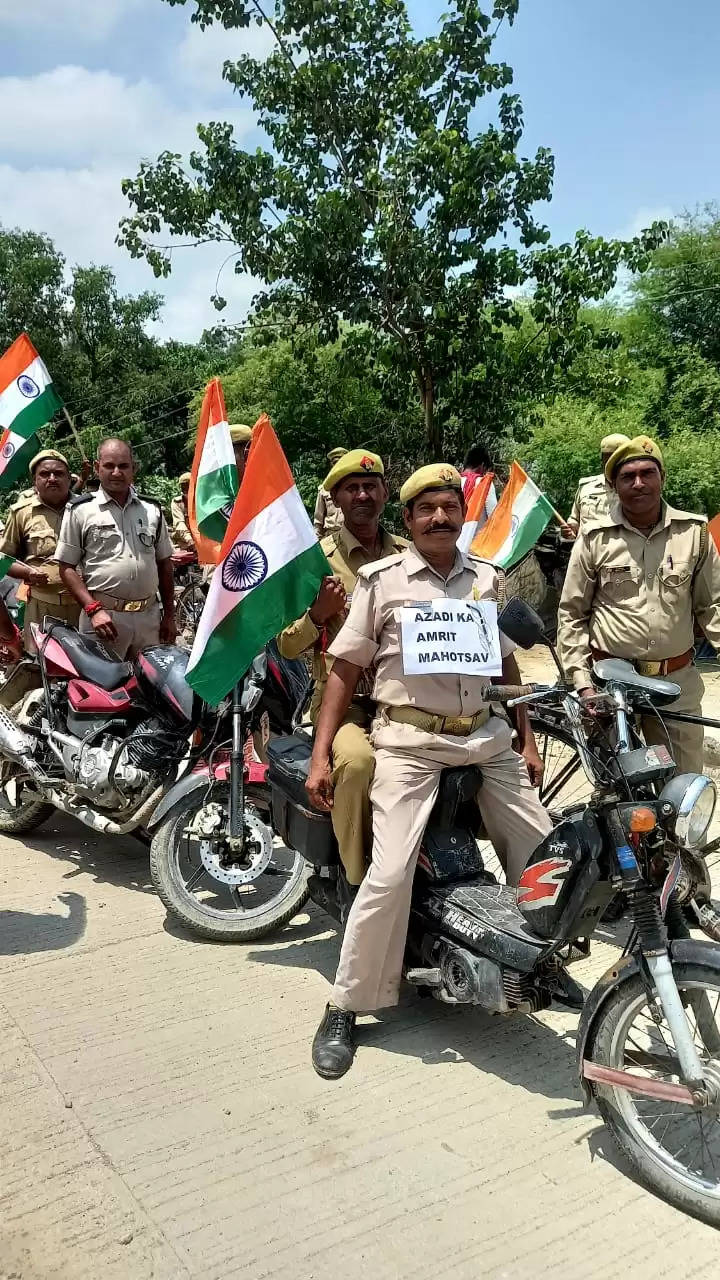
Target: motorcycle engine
144	759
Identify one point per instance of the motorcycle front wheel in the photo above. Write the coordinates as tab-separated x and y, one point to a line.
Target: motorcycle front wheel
223	902
674	1148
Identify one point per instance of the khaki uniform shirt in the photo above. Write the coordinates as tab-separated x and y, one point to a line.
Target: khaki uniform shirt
637	597
327	516
181	534
346	557
31	535
594	498
371	636
115	548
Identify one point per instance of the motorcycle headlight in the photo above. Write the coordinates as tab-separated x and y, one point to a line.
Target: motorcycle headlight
687	805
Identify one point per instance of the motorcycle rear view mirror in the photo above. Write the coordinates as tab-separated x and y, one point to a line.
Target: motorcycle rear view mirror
521	624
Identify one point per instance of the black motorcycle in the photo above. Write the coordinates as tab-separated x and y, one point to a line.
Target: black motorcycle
649	1034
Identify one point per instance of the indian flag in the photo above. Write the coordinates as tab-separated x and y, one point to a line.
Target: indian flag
270	571
213	479
481	504
28	401
521	515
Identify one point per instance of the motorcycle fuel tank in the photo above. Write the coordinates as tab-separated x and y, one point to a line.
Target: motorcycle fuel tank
564	888
160	672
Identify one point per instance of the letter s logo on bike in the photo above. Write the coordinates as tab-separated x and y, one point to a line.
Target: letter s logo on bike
540	883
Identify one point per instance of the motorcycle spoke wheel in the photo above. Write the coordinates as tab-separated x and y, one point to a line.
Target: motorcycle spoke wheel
675	1147
564	782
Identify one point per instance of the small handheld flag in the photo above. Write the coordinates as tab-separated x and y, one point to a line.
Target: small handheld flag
28	400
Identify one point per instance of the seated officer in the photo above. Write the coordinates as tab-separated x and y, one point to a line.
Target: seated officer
31	535
358	488
179	531
423	725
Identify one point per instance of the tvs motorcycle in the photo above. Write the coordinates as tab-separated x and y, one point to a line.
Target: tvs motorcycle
122	746
649	1033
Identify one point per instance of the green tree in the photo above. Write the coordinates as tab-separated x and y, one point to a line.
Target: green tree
381	203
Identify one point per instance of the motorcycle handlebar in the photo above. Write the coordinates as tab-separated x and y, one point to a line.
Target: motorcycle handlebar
507	692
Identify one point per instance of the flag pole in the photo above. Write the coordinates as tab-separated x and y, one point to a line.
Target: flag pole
73	428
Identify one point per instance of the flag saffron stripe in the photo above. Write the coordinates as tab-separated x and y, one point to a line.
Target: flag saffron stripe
271	484
16	360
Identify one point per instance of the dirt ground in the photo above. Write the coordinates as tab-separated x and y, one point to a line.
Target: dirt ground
159	1117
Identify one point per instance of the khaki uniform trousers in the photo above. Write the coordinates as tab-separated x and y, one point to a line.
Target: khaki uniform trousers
408	763
686	740
66	610
135	631
353	768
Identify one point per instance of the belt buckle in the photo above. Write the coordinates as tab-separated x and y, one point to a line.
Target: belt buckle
133	606
458	725
648	668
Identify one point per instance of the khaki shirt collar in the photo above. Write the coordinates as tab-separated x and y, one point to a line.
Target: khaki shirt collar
104	498
351	544
415	563
667	515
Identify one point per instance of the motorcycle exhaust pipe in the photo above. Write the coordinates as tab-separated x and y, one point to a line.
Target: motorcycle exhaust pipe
98	821
17	745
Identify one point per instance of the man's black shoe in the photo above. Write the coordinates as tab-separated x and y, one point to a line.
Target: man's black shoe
568	992
333	1048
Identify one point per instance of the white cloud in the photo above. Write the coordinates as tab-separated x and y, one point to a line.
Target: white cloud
644	217
91	19
72	114
201	54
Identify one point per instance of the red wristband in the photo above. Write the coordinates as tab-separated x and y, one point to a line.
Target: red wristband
92	608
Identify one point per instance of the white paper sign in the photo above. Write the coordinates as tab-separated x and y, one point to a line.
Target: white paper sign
451	637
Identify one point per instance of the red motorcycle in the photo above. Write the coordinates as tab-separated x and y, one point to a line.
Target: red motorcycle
129	748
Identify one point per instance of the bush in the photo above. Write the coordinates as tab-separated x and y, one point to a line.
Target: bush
692	463
566	445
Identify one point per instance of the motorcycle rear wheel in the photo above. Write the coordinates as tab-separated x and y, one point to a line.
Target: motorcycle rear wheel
674	1150
25	814
222	913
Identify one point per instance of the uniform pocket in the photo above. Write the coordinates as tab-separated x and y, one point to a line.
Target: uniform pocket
621	583
676	578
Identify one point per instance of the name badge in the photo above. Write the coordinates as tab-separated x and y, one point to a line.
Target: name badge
451	637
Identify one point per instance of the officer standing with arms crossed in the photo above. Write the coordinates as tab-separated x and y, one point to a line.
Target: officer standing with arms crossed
638	579
357	485
31	535
594	494
120	545
423	725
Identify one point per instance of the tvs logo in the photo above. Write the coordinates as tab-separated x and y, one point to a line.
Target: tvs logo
540	884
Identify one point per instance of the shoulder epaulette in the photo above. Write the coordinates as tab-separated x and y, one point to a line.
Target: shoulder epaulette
368	571
686	515
23	501
329	542
155	502
77	499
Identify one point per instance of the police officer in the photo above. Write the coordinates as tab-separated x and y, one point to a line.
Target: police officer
120	545
241	436
181	534
423	725
31	536
328	517
638	579
594	494
357	487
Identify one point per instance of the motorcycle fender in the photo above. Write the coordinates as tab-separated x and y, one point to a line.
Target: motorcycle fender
683	950
191	782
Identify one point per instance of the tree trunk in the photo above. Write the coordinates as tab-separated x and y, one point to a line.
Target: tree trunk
433	429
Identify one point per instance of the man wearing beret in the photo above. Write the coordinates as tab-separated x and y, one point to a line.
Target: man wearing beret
639	578
241	436
31	536
423	725
357	485
179	531
328	517
594	494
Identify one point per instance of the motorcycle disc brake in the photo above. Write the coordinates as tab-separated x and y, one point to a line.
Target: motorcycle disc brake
255	857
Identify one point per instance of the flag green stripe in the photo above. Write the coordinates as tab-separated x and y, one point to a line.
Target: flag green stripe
5	562
37	413
215	490
17	467
532	527
259	616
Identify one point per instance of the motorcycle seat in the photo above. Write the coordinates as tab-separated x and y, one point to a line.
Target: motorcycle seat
91	659
609	671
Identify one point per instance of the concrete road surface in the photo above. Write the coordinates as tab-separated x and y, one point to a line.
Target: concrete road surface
159	1116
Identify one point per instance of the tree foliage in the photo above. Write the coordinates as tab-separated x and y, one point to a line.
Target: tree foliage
380	202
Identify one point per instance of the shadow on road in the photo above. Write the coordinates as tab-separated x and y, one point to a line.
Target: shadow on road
25	933
113	860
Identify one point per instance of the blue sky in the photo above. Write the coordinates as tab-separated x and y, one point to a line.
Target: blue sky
626	95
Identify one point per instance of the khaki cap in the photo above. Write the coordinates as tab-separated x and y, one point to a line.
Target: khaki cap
437	475
47	454
353	462
185	478
239	433
640	447
335	455
610	443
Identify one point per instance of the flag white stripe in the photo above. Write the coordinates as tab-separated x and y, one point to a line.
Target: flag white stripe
522	507
12	400
16	441
282	530
217	449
